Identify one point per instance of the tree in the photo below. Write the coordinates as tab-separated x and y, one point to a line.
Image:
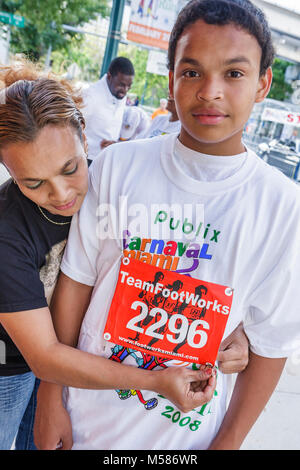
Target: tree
44	20
87	58
280	90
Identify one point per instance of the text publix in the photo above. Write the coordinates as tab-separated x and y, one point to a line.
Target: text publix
167	253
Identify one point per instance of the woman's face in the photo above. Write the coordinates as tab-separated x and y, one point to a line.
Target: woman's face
51	170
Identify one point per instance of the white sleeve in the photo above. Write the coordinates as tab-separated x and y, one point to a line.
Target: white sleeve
273	322
83	246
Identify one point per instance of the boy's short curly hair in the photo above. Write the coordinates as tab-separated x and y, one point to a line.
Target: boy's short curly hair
222	12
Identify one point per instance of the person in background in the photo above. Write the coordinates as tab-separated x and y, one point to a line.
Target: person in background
128	101
165	124
135	123
162	108
104	105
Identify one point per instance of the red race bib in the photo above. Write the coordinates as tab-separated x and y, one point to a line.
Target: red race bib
167	314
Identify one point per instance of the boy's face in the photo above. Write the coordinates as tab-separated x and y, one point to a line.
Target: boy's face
215	83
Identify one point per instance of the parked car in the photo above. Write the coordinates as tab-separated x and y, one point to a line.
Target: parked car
282	155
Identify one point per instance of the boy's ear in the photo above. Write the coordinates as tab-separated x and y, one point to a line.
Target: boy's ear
171	84
265	82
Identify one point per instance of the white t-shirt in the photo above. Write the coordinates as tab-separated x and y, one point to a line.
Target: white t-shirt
204	167
162	125
246	236
103	115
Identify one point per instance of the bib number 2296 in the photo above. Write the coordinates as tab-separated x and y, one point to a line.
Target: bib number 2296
164	325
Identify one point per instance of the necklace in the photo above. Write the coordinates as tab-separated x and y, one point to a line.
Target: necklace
52	221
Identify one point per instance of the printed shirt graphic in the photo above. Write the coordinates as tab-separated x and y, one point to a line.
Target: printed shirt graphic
50	270
235	244
163	316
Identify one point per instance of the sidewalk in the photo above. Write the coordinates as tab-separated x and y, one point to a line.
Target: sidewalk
278	427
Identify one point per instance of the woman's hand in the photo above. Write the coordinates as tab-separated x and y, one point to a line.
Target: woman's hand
186	388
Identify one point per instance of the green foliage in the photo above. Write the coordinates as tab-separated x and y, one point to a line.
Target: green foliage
148	86
88	57
44	20
43	27
280	90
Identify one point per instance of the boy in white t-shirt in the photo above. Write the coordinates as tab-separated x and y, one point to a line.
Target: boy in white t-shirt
205	210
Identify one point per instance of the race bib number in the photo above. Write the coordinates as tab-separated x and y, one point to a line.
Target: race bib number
167	314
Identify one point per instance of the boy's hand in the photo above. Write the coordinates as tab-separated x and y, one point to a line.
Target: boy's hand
52	425
233	354
186	388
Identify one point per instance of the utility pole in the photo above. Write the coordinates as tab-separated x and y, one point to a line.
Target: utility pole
114	34
47	65
8	38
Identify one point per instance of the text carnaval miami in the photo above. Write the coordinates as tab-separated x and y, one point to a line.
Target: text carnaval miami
162	253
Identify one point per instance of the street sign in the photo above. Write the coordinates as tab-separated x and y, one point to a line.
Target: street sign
13	20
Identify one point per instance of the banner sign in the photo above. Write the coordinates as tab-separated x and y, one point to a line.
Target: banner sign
157	63
167	314
281	116
151	21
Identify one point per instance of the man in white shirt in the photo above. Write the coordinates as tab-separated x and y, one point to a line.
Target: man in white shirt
104	105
